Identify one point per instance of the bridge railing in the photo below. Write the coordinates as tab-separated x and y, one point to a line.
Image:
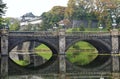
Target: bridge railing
56	33
88	33
36	33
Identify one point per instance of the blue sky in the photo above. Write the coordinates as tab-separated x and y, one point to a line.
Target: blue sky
17	8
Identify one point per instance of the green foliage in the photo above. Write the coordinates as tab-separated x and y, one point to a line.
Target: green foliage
82	27
58	10
52	17
76	46
108	23
82	58
14	25
1	22
2	11
78	10
84	45
2	7
75	29
42	46
70	9
29	27
45	55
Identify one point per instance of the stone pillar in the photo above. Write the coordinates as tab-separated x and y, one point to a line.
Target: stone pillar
4	54
115	52
62	62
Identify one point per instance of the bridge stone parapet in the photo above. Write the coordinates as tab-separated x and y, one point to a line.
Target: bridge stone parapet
37	33
56	33
89	33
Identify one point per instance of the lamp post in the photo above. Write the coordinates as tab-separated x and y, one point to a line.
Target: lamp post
114	24
54	28
113	16
100	27
61	25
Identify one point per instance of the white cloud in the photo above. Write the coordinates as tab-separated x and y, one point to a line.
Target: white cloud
16	8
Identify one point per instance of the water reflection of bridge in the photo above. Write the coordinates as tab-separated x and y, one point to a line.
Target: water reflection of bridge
59	42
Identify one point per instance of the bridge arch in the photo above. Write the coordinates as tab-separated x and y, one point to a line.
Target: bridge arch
49	44
100	61
17	41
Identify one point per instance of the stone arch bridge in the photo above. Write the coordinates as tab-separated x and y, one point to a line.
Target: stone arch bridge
59	42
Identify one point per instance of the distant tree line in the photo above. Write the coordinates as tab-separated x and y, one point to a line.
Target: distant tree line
99	10
90	10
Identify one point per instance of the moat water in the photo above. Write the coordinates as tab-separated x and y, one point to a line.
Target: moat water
54	76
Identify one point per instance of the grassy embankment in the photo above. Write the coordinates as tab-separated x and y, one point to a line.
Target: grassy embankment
21	62
45	52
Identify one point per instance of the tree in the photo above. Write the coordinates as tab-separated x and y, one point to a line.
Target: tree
14	24
2	11
2	7
92	10
52	17
46	16
107	8
70	9
58	10
78	9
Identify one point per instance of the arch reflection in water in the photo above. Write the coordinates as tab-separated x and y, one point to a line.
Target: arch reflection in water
54	76
31	54
81	53
96	59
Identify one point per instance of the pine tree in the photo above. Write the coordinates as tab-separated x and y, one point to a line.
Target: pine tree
2	7
2	11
